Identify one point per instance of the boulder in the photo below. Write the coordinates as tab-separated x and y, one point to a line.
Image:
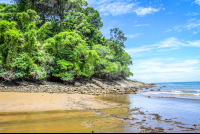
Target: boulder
158	90
152	90
77	84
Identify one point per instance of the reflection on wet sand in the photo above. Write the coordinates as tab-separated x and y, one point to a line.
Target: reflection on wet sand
61	121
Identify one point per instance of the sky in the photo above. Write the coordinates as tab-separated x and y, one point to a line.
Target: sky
162	36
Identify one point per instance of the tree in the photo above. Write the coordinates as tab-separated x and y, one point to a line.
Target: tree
93	17
118	37
51	8
46	43
2	5
8	12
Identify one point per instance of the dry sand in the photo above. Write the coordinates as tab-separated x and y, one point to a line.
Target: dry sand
26	102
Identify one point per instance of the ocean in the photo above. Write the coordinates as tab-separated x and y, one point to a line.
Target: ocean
182	90
179	101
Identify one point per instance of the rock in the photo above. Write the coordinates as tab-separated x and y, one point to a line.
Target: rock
158	90
159	128
142	113
152	90
164	86
77	84
149	96
153	84
126	118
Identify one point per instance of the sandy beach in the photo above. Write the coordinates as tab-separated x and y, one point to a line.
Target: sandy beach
26	102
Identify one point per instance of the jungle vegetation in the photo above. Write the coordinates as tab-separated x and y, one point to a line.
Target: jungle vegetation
40	39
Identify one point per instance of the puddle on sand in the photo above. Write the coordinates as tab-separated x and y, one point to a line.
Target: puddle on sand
61	121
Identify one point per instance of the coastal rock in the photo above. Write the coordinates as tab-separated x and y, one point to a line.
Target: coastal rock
95	87
159	128
77	84
158	90
153	84
152	90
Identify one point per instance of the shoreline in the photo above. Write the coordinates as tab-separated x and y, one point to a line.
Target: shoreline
92	87
29	96
135	119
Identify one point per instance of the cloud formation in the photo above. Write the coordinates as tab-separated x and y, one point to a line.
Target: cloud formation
190	24
141	11
192	14
133	35
165	45
165	69
138	25
120	7
197	2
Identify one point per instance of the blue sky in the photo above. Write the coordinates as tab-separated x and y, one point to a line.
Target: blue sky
163	36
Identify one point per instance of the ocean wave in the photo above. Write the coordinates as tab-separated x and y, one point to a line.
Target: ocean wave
172	93
184	91
179	97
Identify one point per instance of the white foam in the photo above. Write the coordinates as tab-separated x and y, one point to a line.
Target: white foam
172	93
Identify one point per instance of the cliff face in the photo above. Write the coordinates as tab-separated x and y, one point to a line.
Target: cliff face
93	87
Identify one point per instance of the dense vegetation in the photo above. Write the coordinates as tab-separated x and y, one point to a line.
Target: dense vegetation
40	39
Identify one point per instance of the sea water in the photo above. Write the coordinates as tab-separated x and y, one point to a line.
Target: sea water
179	101
182	90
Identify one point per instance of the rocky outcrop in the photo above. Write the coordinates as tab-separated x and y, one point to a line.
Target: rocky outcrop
153	84
93	87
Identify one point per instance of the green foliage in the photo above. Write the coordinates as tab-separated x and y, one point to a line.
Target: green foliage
118	36
62	70
93	17
38	41
2	5
8	12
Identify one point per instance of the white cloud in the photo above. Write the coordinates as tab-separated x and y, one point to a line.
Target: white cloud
141	11
120	7
195	32
197	2
193	44
168	30
166	70
192	14
165	45
116	8
112	7
133	35
138	25
138	50
190	24
169	43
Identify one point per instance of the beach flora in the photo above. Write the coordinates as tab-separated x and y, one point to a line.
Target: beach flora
63	40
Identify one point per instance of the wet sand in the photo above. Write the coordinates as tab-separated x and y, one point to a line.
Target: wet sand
107	113
53	113
27	102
